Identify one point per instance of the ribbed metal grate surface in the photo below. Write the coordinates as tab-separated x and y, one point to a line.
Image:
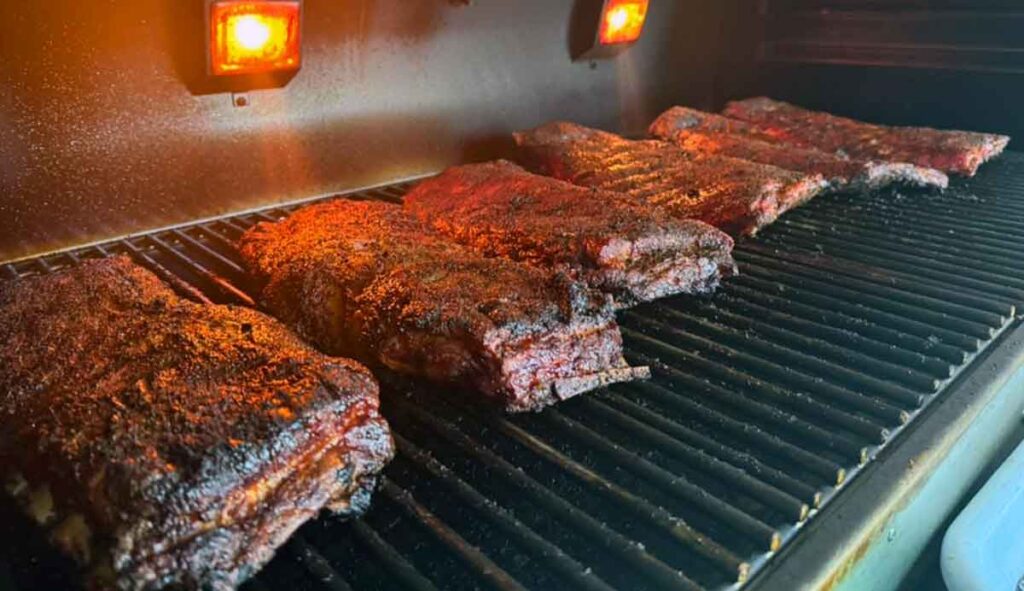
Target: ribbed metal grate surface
850	315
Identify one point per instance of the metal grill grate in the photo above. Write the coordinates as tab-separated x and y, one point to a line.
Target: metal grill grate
851	314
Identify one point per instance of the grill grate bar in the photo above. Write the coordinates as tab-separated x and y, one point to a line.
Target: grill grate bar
971	195
743	461
480	563
1007	189
221	284
316	564
560	509
235	226
812	317
980	274
987	249
992	251
849	261
794	508
256	584
544	550
823	466
962	225
231	264
670	347
925	309
999	220
861	352
856	317
671	524
210	232
954	331
994	208
736	331
265	216
387	194
180	285
396	565
676	485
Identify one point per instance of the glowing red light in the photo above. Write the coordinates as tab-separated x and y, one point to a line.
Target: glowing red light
622	21
250	37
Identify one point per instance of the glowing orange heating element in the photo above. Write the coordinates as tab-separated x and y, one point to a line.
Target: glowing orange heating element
254	37
622	21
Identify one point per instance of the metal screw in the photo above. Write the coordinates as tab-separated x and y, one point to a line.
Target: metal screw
239	100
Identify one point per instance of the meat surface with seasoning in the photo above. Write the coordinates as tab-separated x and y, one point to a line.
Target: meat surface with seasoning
950	151
366	279
699	133
163	442
735	195
603	238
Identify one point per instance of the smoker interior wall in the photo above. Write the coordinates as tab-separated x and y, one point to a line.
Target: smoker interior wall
947	63
108	127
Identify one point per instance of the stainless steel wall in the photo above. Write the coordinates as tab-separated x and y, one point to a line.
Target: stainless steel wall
107	127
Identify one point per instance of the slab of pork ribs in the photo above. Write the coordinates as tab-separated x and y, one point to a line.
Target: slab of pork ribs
365	279
168	443
735	195
960	152
697	132
604	238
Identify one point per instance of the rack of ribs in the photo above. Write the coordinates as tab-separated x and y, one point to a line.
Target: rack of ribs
365	279
960	152
700	133
603	238
735	195
164	442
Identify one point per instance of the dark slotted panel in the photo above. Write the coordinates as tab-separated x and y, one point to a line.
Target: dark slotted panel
949	34
850	315
884	61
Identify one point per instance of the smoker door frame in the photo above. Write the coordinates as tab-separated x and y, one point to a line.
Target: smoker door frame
871	534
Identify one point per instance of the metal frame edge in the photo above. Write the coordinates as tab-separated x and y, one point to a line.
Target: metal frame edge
869	536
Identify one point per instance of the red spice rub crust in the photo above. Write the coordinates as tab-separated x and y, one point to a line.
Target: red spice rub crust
735	195
960	152
631	252
190	439
366	279
699	133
